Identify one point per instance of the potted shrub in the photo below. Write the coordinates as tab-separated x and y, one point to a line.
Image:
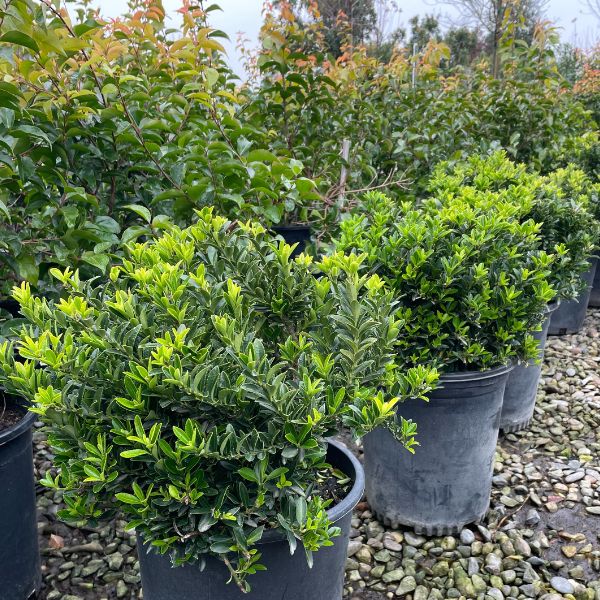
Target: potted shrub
19	554
557	204
471	286
571	187
196	389
594	301
584	151
595	209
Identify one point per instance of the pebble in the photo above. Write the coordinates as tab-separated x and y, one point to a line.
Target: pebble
353	547
573	477
467	537
493	564
414	540
392	545
407	585
533	517
395	575
562	585
569	551
495	594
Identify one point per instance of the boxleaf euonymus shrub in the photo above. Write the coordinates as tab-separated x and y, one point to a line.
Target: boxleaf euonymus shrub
470	280
584	152
563	203
195	388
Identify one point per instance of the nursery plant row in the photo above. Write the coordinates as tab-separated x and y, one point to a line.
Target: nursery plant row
191	368
196	387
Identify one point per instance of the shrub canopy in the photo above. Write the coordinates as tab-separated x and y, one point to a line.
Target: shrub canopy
111	130
468	275
564	203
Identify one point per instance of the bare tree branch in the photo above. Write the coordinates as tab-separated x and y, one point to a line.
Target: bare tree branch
593	6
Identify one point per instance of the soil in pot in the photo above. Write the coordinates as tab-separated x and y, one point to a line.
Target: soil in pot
446	483
20	577
287	577
10	416
522	384
569	317
295	234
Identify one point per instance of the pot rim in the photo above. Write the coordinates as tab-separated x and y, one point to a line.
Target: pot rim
552	306
341	509
278	228
353	497
18	429
476	375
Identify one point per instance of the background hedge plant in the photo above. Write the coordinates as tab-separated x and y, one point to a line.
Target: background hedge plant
399	127
195	389
111	129
470	280
564	203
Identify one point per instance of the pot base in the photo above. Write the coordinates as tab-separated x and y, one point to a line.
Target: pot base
594	301
427	529
20	574
513	427
521	388
287	577
569	318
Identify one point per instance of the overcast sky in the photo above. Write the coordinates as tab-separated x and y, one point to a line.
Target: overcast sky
577	25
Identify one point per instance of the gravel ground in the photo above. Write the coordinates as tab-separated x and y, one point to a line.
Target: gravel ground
540	539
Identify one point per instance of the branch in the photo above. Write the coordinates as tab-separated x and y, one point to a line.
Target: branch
140	137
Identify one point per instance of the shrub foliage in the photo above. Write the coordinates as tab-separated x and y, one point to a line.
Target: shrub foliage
195	389
470	280
564	203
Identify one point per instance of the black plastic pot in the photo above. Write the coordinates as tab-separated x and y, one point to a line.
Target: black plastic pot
570	315
20	576
522	384
295	234
594	301
447	482
287	577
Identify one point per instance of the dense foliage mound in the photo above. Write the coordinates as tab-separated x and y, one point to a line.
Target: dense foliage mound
564	203
468	275
196	388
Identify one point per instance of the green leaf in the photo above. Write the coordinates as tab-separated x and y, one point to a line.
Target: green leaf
133	453
220	547
4	209
140	210
212	76
261	155
128	498
100	261
133	233
28	269
289	452
248	474
31	130
21	39
301	510
109	89
70	215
